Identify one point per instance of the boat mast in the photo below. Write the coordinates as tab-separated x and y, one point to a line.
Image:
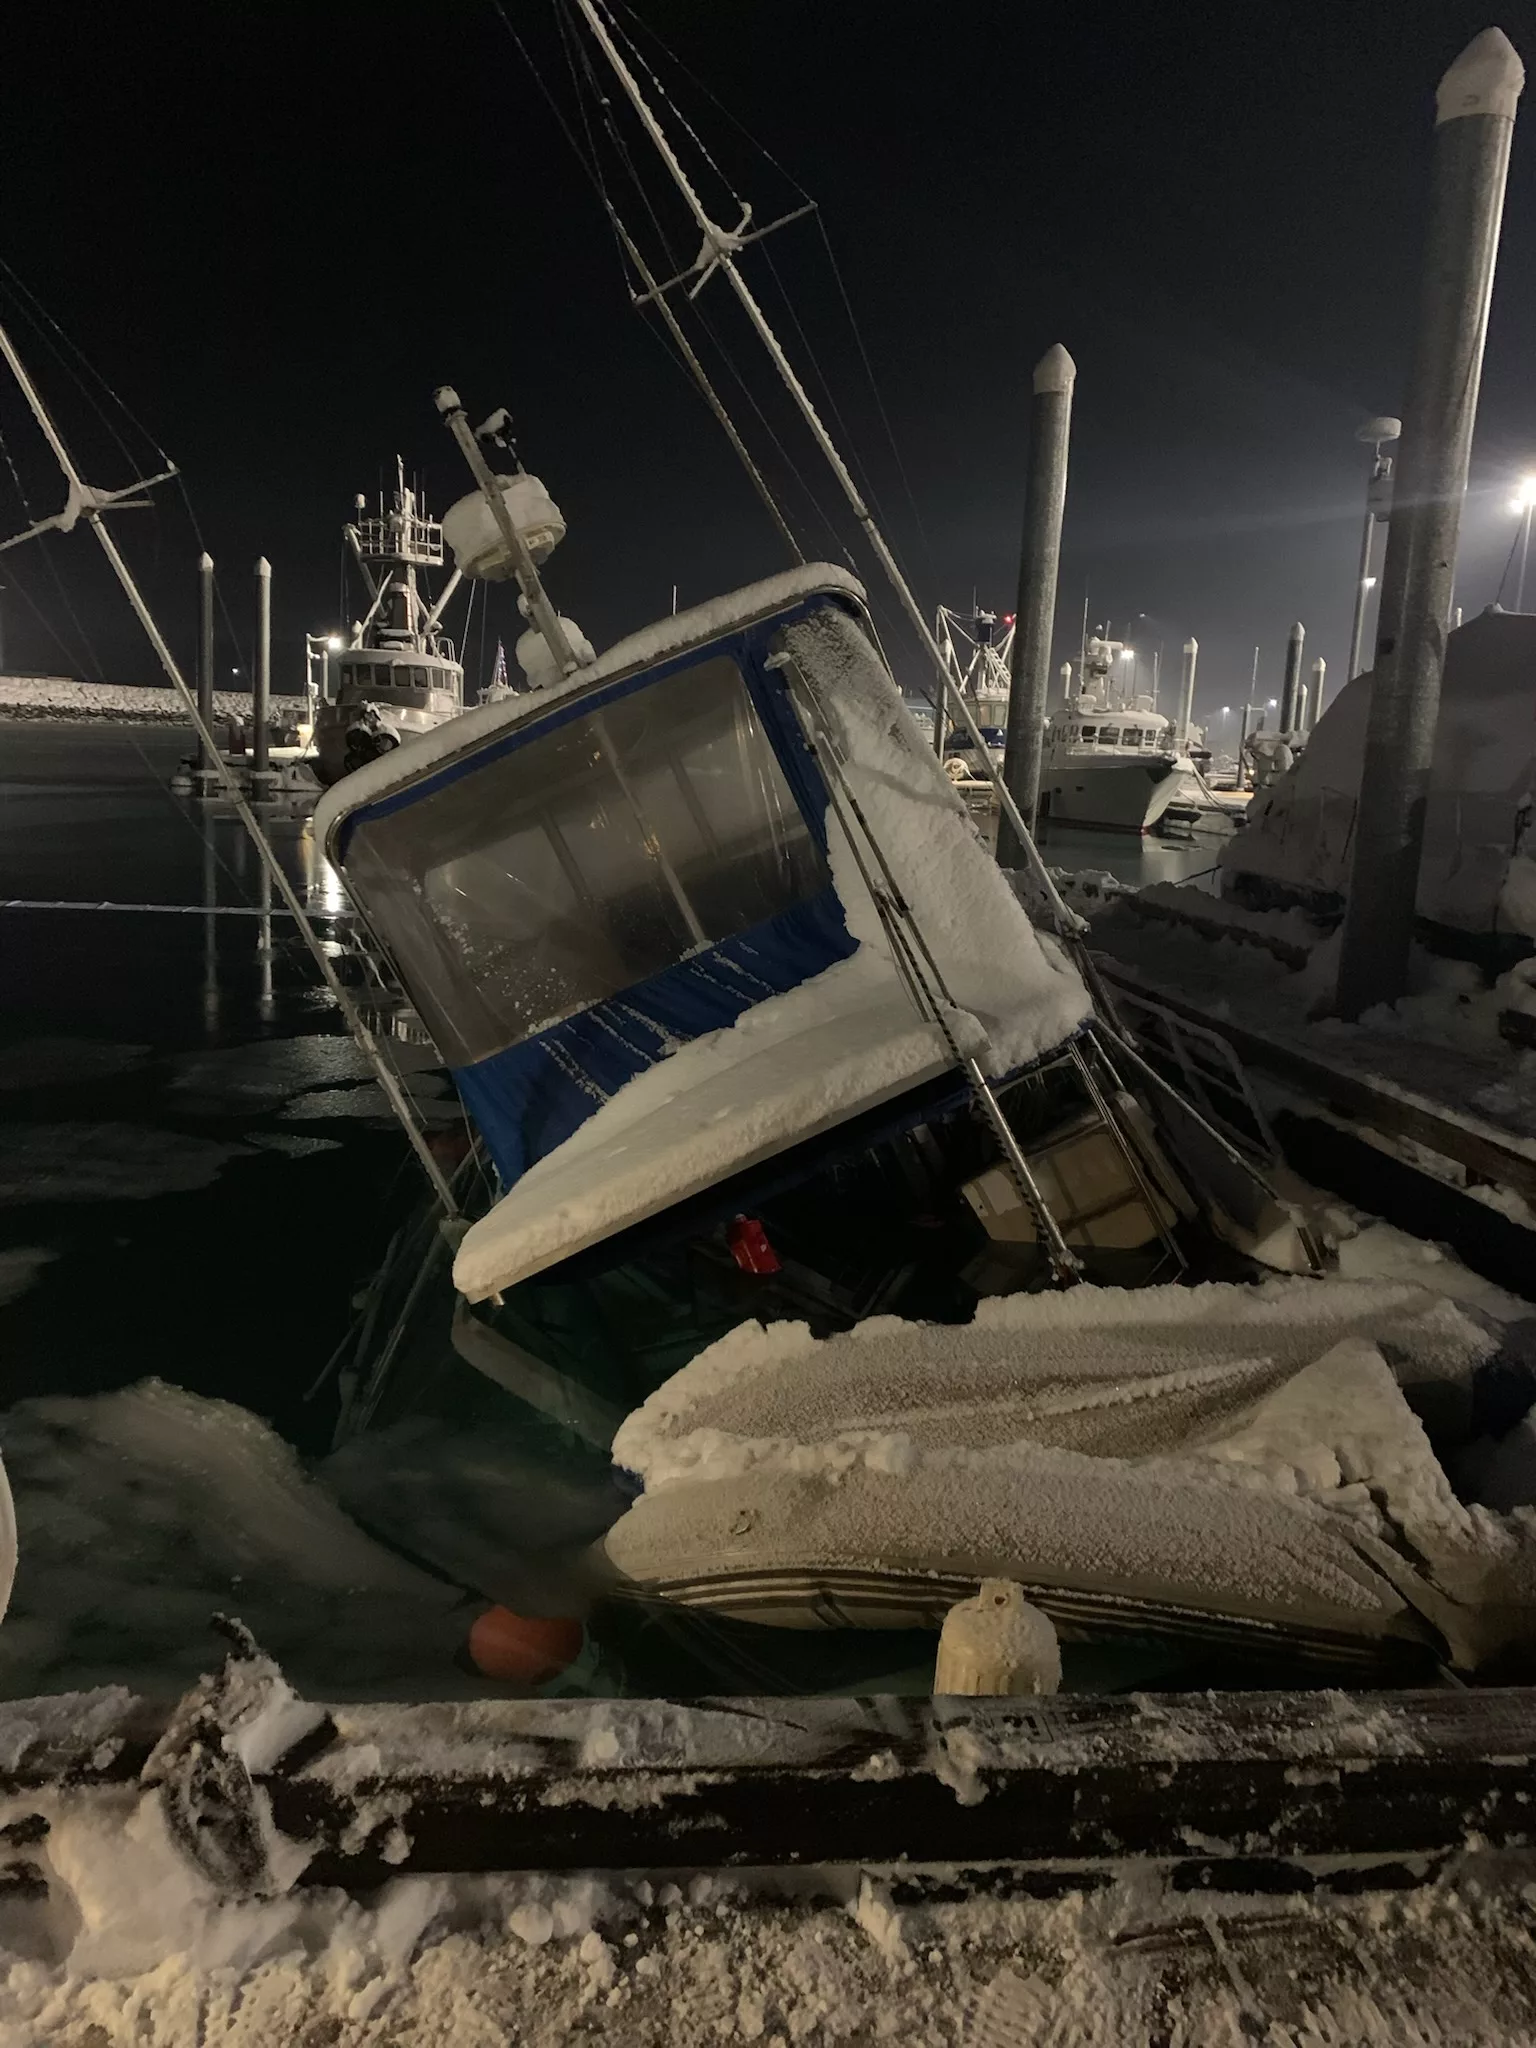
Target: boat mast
718	253
84	503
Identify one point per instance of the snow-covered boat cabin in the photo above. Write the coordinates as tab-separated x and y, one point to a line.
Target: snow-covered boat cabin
1122	732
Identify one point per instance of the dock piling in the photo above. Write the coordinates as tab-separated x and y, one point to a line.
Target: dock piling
1319	677
1045	498
207	766
1474	125
1290	688
262	776
1186	693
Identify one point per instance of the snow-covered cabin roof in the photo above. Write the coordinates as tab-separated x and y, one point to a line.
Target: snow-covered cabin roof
695	627
1300	833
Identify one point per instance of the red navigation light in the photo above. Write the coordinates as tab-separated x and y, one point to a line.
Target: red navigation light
1008	618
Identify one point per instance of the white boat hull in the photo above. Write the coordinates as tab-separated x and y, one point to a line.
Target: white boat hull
1115	794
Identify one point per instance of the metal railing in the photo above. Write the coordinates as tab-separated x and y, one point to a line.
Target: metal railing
401	537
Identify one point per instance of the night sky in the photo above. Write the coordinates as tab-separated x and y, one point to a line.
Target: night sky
273	229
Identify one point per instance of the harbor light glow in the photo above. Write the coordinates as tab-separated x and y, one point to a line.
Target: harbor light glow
335	643
1525	497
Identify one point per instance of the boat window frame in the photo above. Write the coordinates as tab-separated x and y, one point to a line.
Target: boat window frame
807	844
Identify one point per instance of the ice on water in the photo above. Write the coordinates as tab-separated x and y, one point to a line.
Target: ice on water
142	1512
20	1268
104	1162
52	1062
269	1071
371	1104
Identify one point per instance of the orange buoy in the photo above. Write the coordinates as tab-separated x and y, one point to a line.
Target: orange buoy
526	1649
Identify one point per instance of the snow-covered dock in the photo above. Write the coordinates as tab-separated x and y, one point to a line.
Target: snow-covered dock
1280	1866
1440	1081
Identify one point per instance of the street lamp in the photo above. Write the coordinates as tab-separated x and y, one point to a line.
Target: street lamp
1378	503
1523	504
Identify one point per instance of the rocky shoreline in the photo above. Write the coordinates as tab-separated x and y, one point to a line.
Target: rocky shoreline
61	697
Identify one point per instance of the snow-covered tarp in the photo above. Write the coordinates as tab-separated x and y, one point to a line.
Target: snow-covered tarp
1300	833
1235	1454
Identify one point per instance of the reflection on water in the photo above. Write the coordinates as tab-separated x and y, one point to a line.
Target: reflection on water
86	816
1132	858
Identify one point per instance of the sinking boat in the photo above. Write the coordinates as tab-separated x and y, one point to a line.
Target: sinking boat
718	960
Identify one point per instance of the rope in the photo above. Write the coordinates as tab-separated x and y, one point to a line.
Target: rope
92	662
675	343
869	371
667	100
718	104
45	326
1498	595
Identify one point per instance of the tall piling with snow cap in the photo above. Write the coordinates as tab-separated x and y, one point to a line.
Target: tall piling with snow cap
1474	124
1045	498
261	681
1290	689
207	766
1186	693
1319	677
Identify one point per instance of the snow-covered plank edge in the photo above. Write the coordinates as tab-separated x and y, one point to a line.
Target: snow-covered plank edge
506	1785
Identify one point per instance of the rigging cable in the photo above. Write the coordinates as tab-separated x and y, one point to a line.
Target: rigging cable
801	193
576	50
629	248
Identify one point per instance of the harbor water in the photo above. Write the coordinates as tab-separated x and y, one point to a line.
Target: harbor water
197	1182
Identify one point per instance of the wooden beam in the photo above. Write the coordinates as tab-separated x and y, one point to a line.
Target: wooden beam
1239	1779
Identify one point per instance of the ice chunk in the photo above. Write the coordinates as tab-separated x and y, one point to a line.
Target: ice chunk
108	1162
142	1512
20	1266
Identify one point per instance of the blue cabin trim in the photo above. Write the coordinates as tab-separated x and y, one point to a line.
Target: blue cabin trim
531	1097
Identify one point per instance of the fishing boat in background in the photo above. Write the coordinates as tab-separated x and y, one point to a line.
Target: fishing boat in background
399	675
1112	762
1111	759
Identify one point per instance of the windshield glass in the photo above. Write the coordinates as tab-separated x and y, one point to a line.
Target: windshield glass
586	860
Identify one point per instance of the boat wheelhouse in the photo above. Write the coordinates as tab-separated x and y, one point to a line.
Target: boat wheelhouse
401	676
